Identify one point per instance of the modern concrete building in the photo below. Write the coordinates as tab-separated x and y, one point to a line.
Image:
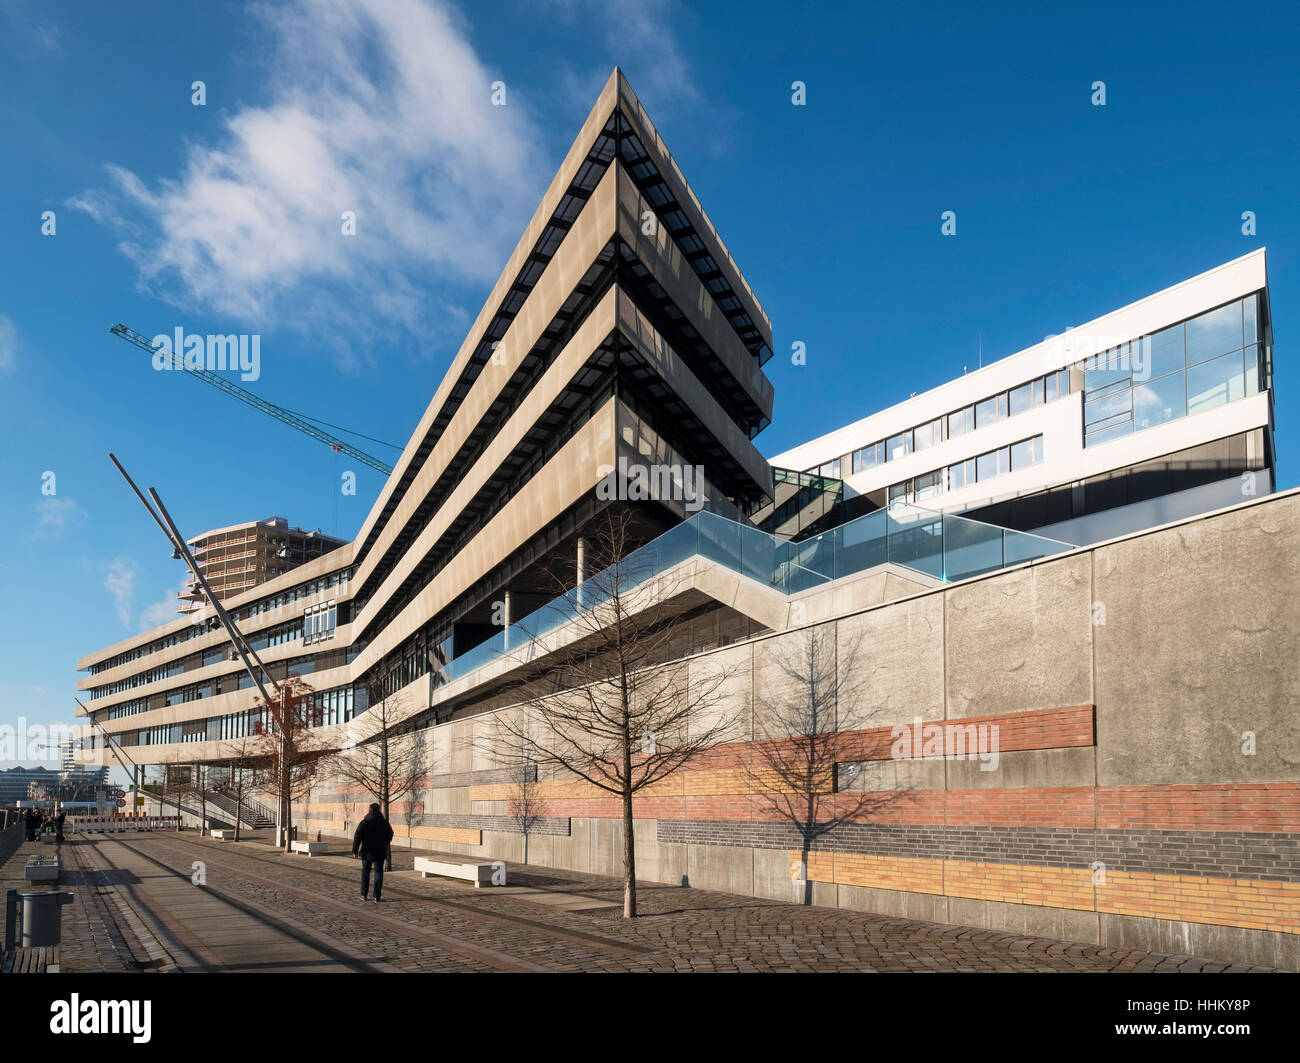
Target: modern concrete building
246	555
617	367
620	335
1159	410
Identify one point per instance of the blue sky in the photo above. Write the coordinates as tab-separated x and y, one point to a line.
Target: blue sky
225	218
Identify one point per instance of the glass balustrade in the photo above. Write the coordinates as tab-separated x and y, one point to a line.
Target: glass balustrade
941	545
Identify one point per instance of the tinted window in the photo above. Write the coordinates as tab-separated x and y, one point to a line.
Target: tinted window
1163	352
1215	382
1159	401
1022	454
1214	333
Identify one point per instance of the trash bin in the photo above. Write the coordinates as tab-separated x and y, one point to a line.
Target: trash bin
41	917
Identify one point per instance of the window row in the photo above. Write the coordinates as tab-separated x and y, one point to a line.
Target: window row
295	594
165	643
995	408
163	671
978	469
128	708
1197	389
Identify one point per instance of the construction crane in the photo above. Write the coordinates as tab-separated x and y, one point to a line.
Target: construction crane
293	420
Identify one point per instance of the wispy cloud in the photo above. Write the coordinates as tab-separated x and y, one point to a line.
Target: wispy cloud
641	36
119	581
54	515
8	345
380	107
162	611
26	18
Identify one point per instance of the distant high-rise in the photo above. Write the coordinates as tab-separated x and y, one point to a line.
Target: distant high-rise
244	555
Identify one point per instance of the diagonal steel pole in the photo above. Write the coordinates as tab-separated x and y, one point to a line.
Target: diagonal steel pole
169	529
246	653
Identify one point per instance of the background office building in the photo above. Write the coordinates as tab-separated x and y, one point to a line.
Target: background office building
1147	414
245	555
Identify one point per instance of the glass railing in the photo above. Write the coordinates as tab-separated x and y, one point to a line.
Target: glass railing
940	545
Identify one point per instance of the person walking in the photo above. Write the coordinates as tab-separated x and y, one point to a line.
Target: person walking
372	838
58	825
33	824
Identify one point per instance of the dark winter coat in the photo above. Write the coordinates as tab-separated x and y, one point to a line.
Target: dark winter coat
372	836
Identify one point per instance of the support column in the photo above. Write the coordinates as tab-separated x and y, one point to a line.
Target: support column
507	618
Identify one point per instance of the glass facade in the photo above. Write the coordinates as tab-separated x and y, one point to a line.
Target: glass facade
1204	362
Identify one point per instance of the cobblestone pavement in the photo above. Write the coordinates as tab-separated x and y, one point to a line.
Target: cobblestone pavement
91	941
549	920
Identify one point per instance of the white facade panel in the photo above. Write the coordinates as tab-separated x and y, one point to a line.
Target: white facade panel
1233	280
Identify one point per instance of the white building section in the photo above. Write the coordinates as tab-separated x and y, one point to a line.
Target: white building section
1187	366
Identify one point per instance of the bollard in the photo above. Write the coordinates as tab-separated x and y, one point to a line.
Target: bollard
11	918
42	918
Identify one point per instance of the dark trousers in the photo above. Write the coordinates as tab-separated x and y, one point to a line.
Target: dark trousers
366	862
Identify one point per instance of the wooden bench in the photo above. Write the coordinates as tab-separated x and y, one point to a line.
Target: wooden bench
42	869
310	848
472	871
30	961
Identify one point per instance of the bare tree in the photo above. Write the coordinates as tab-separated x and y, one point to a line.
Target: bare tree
164	782
605	711
525	804
349	803
804	724
248	764
376	756
285	744
198	786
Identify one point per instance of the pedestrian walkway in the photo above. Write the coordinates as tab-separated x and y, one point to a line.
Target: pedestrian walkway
182	902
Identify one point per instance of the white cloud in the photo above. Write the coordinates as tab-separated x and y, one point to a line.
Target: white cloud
641	36
163	611
120	583
381	107
8	345
53	515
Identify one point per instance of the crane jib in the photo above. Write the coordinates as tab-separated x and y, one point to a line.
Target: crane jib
174	361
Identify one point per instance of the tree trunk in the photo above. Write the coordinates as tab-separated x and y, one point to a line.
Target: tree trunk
807	878
239	801
629	859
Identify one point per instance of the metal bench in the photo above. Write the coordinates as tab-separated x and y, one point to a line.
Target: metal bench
472	871
310	848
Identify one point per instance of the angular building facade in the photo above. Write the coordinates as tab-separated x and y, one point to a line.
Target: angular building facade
1105	797
620	334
